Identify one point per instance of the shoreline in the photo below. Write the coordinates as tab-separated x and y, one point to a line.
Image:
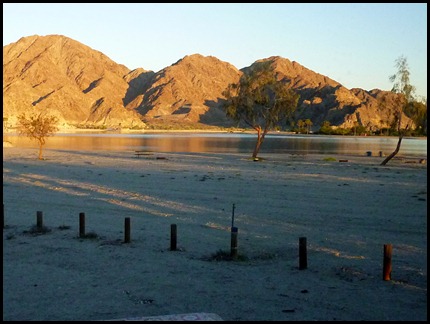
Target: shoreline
126	131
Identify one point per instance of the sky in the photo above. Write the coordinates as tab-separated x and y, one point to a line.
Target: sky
355	44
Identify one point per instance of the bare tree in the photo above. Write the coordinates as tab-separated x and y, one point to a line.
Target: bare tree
402	86
37	127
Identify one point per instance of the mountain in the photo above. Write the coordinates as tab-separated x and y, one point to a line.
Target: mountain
83	87
323	99
54	73
188	91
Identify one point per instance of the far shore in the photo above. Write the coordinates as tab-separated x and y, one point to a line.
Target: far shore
201	130
146	131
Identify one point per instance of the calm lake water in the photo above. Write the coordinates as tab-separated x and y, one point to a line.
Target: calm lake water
229	143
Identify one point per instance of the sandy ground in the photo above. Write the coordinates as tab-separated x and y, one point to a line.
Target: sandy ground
346	210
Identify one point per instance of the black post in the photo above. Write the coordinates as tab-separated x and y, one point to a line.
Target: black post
233	251
127	230
173	237
39	222
303	261
232	217
81	224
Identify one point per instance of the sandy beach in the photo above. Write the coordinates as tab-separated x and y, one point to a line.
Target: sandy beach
346	207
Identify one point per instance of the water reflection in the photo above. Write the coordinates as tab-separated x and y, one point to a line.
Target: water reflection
228	143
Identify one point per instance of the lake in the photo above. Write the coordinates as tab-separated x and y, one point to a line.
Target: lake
214	142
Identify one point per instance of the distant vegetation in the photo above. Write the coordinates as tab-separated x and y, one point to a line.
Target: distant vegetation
360	130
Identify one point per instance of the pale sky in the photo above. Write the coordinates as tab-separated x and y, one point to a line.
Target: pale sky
355	44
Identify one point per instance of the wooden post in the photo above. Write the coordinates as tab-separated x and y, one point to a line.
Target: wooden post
81	224
232	216
388	248
233	251
127	230
39	222
303	261
173	237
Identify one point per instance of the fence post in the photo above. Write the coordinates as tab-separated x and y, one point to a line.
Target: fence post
173	237
127	230
303	261
233	251
81	224
388	249
39	221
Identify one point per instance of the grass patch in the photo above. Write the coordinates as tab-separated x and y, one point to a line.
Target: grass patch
36	230
223	255
328	159
266	256
90	235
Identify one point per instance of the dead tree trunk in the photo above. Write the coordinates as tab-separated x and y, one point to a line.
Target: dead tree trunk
261	134
389	157
258	144
401	134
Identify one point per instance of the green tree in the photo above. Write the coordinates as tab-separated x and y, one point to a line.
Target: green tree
401	85
417	111
308	124
292	124
326	128
300	125
37	127
354	127
260	101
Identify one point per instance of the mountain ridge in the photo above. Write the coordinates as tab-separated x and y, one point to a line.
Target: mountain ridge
84	87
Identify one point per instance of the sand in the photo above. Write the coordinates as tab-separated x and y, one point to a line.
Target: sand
347	211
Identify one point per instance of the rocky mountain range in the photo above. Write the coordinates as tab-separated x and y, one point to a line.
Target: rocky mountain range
85	88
